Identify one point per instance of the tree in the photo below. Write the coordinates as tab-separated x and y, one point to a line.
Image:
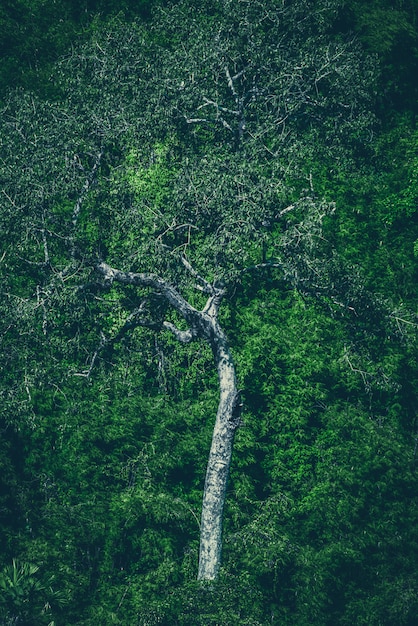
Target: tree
176	162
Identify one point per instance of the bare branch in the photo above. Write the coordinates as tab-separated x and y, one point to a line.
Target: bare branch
261	266
84	190
217	107
138	317
46	251
284	211
133	320
162	286
185	336
231	80
12	202
86	374
216	294
213	303
225	124
206	287
196	120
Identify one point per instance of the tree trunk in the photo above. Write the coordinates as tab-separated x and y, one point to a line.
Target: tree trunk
203	325
227	420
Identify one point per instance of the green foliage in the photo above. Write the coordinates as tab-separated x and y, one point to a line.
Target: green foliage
389	29
102	467
35	33
24	597
330	454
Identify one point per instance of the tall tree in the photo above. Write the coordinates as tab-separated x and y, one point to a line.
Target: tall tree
175	162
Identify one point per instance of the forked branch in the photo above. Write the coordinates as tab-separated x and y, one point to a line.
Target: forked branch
160	285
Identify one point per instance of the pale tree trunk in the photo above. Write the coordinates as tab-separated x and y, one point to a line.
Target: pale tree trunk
217	473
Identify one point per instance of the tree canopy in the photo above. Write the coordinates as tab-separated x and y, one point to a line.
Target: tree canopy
212	182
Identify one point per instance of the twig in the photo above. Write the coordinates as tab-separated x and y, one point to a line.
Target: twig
206	286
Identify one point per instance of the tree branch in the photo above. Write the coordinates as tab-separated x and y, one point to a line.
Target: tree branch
171	294
87	184
213	303
133	320
284	211
205	286
185	336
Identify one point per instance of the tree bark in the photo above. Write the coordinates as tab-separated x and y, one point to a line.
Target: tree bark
217	473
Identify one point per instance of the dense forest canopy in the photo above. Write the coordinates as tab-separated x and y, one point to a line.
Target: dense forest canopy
193	188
